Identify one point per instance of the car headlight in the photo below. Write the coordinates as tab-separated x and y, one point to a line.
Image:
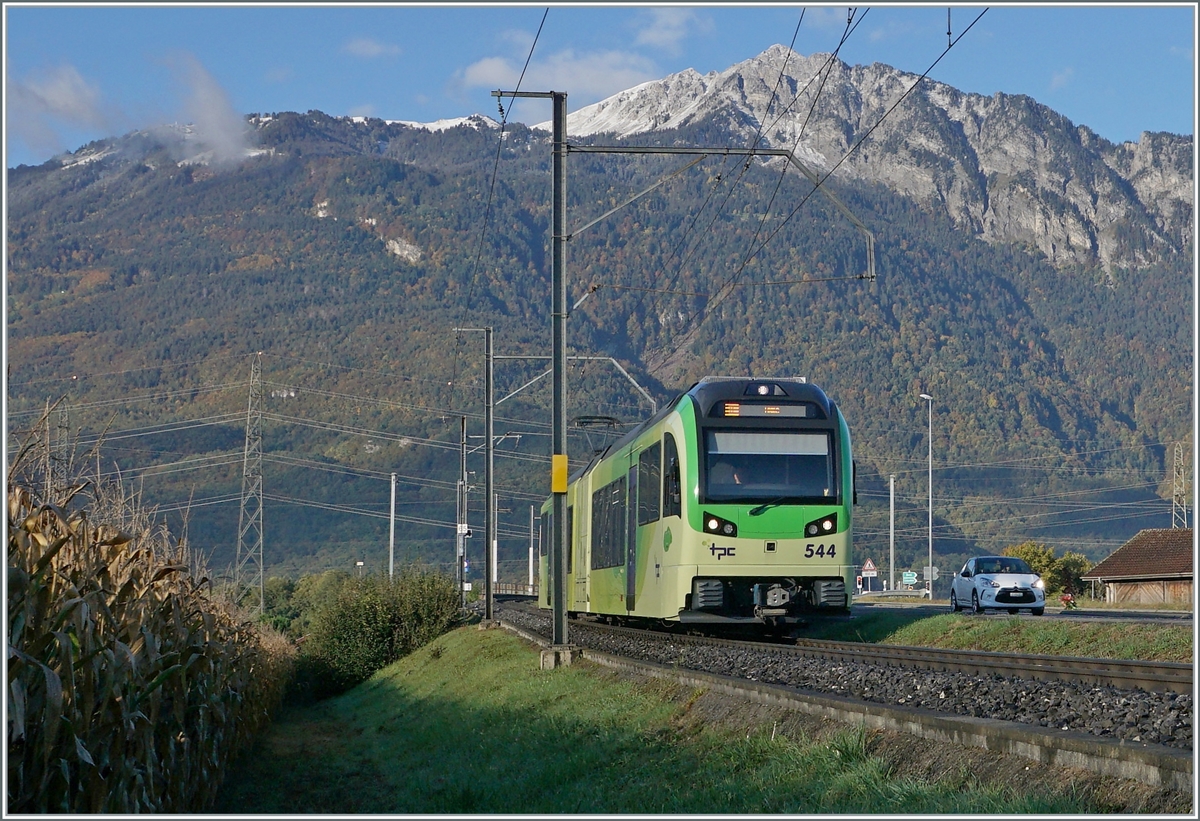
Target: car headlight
1039	584
989	582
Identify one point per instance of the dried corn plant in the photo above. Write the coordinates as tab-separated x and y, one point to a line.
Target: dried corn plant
131	686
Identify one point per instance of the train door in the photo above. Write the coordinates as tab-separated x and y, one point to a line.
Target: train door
577	562
631	517
648	511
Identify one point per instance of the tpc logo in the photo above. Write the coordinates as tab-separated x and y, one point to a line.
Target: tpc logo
721	552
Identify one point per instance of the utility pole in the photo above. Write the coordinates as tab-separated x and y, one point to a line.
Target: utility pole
462	514
558	311
250	519
489	527
489	484
392	534
531	553
892	533
929	571
61	456
47	454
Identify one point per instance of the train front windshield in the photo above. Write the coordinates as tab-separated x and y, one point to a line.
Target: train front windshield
760	466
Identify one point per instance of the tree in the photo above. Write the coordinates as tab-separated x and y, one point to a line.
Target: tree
1067	574
1039	557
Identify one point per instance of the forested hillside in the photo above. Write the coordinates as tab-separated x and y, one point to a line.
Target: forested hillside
347	252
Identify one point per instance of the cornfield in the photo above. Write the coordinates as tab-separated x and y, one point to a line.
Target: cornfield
131	686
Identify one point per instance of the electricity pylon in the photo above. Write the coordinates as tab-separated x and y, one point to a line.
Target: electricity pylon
248	572
1179	494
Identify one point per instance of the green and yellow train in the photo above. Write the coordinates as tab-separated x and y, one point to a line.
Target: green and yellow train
732	505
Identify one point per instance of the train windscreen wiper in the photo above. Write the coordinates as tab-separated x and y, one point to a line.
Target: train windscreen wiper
761	508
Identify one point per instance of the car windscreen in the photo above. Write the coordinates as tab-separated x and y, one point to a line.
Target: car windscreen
1002	564
743	465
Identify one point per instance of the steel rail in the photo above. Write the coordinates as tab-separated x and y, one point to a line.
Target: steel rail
1157	676
1151	676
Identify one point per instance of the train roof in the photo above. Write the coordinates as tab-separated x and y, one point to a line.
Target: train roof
712	389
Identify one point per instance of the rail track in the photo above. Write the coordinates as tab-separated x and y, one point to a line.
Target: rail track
1151	676
1007	713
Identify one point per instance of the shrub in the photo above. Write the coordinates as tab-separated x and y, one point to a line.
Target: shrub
371	623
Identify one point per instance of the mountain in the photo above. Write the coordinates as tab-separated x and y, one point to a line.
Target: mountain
1005	168
145	272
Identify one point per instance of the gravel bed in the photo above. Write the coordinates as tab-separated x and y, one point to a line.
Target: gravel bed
1132	715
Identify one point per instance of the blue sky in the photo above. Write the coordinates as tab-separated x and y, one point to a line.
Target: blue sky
77	73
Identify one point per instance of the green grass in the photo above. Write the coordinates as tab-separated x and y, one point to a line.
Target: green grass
1046	635
470	725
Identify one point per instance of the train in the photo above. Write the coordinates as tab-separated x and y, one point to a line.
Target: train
731	506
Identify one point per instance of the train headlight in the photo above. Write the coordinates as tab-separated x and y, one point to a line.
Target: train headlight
822	527
719	526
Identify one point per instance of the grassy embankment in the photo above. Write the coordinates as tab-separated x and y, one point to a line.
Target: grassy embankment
469	724
1046	635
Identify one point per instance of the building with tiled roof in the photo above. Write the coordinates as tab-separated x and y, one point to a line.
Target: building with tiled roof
1153	567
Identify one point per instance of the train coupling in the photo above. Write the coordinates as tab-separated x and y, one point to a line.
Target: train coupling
772	596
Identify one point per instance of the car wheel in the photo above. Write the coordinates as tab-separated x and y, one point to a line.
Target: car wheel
975	608
1037	611
954	605
1012	611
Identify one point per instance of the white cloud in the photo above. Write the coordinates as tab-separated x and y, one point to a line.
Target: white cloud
830	18
490	72
1186	53
369	48
1061	79
279	74
667	28
891	31
520	39
219	127
589	75
40	108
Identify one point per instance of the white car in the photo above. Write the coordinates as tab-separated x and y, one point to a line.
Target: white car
998	583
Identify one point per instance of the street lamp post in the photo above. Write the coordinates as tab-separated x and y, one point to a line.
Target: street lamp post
929	437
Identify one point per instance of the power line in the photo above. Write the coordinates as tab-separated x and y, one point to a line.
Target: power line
487	214
125	400
85	375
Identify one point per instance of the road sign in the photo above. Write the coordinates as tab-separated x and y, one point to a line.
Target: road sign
868	569
909	577
926	571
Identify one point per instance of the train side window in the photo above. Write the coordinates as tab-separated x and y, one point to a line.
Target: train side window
608	525
545	529
649	484
672	496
